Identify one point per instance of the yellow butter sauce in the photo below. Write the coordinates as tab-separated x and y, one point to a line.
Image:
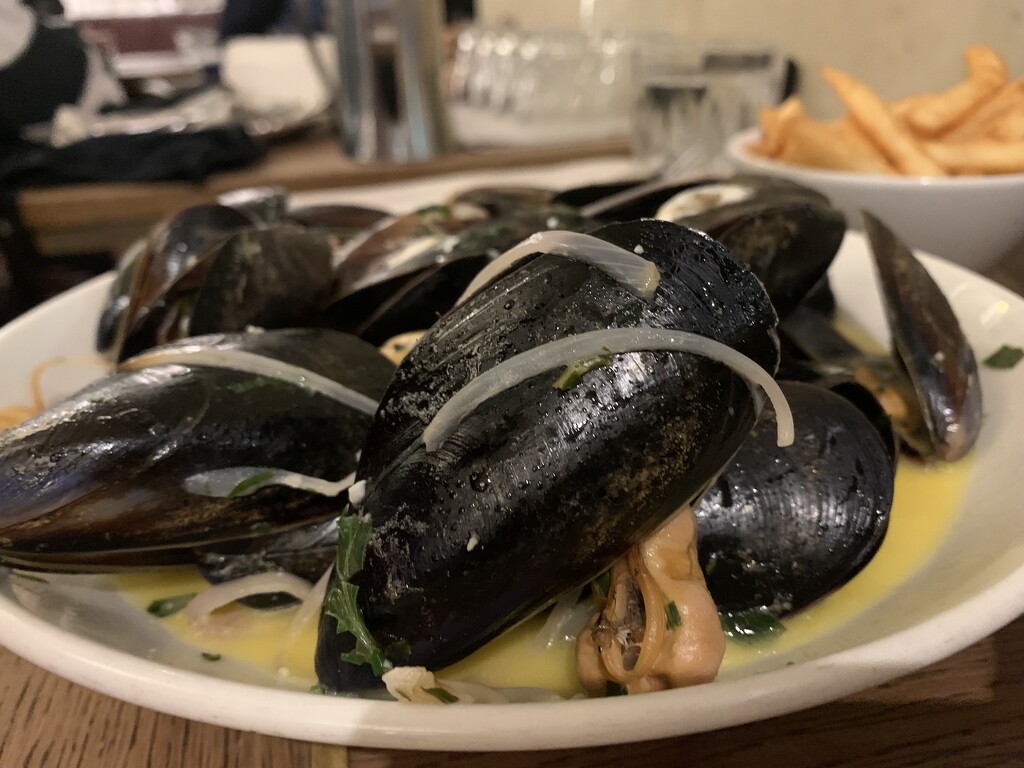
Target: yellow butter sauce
924	506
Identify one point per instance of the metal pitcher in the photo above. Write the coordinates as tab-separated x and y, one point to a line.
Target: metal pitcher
388	96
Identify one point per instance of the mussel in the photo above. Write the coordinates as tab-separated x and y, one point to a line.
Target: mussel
782	527
540	488
119	474
929	382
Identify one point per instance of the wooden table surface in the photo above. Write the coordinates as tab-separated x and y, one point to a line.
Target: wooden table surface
88	218
965	711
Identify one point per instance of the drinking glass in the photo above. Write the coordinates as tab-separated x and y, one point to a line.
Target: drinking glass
694	94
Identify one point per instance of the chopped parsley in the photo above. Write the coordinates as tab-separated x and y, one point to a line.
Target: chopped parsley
251	483
1004	358
169	606
573	373
211	656
353	536
241	387
753	626
445	697
604	583
672	618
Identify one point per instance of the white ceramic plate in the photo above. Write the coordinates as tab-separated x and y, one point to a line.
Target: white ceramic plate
972	220
971	586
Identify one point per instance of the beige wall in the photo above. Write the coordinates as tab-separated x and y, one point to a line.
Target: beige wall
897	46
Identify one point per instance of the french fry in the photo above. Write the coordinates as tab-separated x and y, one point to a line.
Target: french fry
776	123
981	120
823	146
881	126
986	75
1009	127
903	107
985	156
848	131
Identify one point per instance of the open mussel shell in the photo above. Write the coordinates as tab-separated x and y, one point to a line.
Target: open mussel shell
549	485
100	479
420	291
783	527
341	219
786	233
264	205
929	343
307	552
501	201
114	318
272	277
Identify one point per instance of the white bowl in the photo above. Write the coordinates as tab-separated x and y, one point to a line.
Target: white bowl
974	221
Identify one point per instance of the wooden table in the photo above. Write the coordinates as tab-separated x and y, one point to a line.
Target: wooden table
962	712
87	218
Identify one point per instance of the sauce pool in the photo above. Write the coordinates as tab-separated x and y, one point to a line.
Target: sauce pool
924	506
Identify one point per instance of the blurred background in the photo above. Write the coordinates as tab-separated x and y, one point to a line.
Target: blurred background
196	91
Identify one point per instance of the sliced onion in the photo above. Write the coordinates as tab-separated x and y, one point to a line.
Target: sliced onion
696	200
565	351
206	602
417	685
639	275
566	620
221	483
259	365
308	610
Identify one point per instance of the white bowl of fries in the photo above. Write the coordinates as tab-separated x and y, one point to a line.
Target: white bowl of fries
944	170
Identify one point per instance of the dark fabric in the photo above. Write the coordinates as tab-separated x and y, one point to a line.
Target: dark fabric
147	157
50	72
151	157
250	17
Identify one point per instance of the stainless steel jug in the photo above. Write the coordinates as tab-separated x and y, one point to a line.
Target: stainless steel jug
389	99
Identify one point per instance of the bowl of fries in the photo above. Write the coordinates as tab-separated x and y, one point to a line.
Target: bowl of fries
946	170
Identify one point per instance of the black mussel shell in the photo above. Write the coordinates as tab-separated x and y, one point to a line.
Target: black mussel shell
347	219
278	277
578	197
783	527
930	344
98	480
788	245
272	277
539	489
502	201
264	205
307	552
114	318
415	298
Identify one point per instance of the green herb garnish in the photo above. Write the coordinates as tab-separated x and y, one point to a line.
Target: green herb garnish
573	373
604	583
251	483
672	618
241	387
169	605
1004	358
211	656
445	697
611	688
353	535
753	626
